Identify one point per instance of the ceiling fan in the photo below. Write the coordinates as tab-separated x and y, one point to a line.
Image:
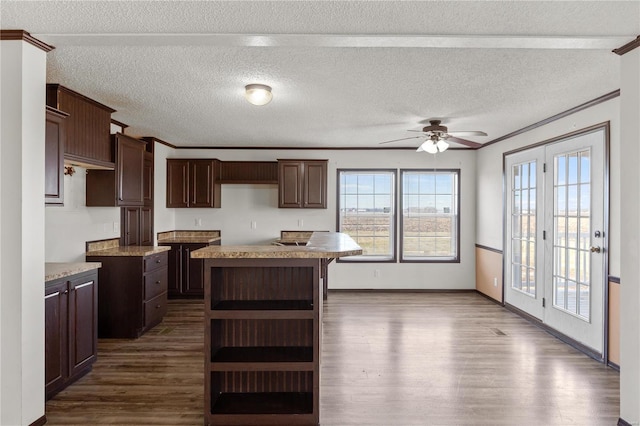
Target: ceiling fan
437	136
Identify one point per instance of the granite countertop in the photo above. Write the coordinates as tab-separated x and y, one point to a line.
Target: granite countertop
139	251
55	270
295	238
186	237
320	245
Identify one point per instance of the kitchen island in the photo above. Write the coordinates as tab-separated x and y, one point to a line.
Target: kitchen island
263	330
132	296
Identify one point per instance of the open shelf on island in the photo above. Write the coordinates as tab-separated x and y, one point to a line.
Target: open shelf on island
264	354
263	305
262	403
262	341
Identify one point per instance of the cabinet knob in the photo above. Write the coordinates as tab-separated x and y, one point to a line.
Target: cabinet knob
157	282
65	292
157	260
158	306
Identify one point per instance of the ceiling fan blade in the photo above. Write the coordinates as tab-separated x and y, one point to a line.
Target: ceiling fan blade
464	142
416	131
468	133
402	139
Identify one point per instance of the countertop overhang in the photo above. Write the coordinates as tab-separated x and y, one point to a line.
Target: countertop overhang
188	240
54	270
132	251
320	245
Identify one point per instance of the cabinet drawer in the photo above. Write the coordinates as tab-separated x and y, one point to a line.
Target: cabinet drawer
155	283
155	261
155	309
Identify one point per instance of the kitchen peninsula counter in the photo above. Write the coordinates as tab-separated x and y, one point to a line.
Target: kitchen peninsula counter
320	245
263	328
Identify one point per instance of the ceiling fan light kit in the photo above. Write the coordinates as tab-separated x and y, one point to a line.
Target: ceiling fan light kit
436	137
258	94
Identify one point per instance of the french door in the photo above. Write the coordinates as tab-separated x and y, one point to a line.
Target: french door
556	235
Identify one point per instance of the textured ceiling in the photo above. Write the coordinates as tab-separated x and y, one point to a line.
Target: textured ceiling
344	73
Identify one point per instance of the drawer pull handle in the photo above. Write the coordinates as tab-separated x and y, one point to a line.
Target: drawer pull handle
157	260
157	282
158	306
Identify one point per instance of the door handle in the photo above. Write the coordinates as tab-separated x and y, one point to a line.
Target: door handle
596	249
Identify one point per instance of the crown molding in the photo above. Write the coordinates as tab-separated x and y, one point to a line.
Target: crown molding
25	36
627	47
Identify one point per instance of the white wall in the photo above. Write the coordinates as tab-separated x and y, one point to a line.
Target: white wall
69	227
22	112
242	204
630	216
489	181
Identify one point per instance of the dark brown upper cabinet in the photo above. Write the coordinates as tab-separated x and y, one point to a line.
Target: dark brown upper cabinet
54	157
147	179
122	187
88	142
255	172
137	226
302	184
193	183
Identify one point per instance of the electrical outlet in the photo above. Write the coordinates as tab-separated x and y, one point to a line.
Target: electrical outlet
198	222
300	223
376	273
254	224
495	281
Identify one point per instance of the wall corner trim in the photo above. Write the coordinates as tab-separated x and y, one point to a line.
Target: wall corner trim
627	47
622	422
495	250
25	36
40	421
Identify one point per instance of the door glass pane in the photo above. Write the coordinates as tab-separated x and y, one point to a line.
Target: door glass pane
523	238
572	230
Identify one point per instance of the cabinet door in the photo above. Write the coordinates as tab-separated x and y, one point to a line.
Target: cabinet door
130	226
290	175
175	270
315	185
56	368
87	127
204	191
83	326
193	275
146	226
130	165
177	183
147	180
54	159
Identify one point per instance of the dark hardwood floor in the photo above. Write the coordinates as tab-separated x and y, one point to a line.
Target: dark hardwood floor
387	359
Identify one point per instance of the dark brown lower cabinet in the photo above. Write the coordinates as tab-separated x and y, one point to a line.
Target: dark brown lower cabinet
186	278
262	341
71	329
133	294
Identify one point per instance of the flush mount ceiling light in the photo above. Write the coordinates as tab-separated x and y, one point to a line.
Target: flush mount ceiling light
258	94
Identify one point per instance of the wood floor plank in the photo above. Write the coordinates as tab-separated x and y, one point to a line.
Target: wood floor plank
387	359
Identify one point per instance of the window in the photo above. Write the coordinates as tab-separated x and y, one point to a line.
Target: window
430	220
366	212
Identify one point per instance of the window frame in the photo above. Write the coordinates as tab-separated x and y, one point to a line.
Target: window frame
400	210
394	222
